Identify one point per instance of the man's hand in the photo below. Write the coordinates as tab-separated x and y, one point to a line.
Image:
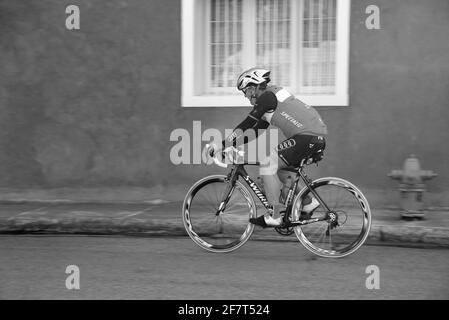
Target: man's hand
211	149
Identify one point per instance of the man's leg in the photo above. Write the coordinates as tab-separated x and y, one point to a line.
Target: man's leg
305	146
271	181
272	186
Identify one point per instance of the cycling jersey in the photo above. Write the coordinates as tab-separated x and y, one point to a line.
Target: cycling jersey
280	108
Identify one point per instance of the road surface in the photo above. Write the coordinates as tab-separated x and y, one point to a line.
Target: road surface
34	267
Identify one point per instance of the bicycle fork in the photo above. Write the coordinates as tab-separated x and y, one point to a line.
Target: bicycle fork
227	195
231	179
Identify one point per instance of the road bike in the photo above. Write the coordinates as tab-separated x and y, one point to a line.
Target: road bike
217	209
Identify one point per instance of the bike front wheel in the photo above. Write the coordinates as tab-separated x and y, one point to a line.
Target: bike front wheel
343	228
213	230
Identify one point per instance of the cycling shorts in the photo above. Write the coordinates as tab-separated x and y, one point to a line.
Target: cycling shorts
292	151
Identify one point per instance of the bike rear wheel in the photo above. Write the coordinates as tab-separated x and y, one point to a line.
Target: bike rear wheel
223	232
348	206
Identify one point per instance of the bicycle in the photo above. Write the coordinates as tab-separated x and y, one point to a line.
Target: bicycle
217	208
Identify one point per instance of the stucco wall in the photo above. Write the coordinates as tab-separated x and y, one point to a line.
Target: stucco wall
92	106
96	106
399	90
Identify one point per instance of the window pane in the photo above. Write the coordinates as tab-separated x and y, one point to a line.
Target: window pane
273	43
225	46
318	47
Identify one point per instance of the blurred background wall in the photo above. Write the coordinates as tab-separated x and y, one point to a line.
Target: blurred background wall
96	106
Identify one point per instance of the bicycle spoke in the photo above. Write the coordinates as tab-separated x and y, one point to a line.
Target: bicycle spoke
329	236
323	233
207	202
235	211
338	199
207	206
319	231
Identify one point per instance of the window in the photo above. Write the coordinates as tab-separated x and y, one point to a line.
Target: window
305	43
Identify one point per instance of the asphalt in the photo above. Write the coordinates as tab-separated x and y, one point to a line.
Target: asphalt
163	218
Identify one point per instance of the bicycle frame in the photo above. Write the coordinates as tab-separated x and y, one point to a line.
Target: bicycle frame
238	170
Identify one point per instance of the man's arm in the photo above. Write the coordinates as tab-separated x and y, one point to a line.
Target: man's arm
267	102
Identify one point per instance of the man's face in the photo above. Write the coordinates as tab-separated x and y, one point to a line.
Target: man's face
249	92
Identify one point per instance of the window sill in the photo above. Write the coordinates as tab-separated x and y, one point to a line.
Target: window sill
240	101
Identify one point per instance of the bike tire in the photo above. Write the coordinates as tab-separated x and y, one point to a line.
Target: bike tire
324	238
232	228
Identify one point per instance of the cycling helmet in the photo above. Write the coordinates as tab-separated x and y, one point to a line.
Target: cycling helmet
254	76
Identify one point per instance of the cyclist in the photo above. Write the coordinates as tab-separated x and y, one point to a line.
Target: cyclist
300	123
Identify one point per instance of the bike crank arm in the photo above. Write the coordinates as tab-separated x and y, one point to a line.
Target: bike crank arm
304	222
331	217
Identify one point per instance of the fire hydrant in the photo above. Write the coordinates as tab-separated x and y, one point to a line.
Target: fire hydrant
412	187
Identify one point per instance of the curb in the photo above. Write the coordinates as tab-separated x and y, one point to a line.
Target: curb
83	202
412	235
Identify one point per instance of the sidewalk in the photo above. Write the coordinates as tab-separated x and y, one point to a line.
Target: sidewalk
159	217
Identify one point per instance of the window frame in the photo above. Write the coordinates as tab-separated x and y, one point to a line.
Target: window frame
193	35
